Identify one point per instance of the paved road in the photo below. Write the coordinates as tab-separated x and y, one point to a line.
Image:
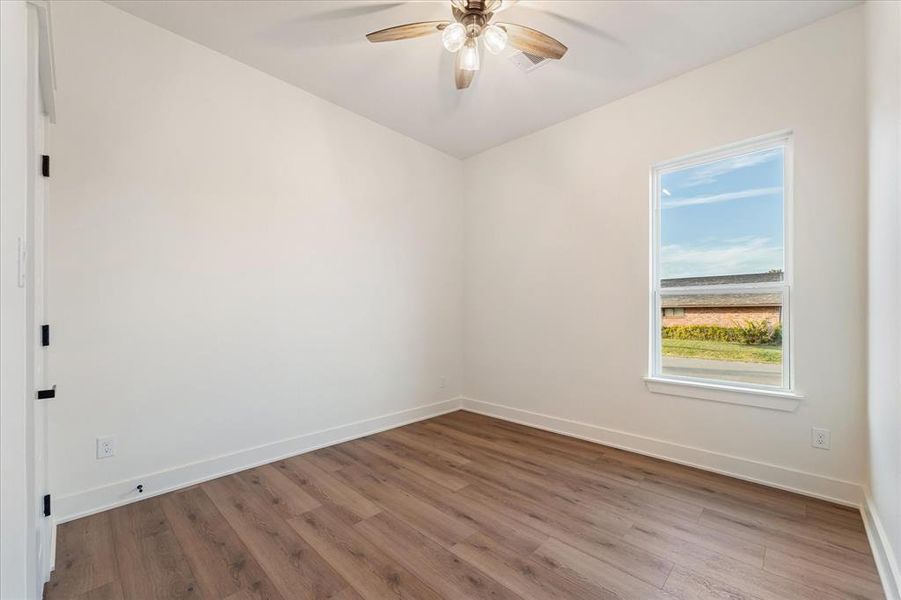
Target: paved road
759	373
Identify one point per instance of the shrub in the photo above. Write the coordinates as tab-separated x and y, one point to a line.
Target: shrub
751	332
757	332
709	333
777	335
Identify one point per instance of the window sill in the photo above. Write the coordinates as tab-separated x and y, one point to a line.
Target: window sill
771	399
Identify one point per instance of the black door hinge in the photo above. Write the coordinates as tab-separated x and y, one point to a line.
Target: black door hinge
45	165
46	505
47	394
45	335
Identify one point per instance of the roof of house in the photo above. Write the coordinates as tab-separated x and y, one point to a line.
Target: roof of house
723	300
770	277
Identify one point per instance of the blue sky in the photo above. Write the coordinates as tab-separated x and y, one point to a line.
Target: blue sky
723	217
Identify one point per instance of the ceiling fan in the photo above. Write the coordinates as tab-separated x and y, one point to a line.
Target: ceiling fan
472	21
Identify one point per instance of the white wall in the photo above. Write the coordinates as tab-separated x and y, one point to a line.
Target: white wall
232	262
17	549
884	78
557	228
235	263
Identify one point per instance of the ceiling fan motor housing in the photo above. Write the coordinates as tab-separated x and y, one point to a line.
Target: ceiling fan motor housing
482	6
474	22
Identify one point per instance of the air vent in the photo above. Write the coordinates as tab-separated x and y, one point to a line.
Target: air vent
527	62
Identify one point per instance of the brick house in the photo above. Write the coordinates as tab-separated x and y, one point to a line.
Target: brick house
724	310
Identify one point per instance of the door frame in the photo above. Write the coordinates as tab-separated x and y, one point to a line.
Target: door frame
27	100
40	89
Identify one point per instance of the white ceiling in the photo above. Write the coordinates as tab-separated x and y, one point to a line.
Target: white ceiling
615	48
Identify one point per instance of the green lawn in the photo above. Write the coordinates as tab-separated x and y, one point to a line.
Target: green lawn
722	351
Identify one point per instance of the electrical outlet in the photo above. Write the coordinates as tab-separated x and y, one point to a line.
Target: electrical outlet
106	447
442	383
820	438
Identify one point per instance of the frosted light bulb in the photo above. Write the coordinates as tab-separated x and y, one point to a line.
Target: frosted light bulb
469	56
494	38
453	37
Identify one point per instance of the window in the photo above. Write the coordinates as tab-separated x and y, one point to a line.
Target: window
720	274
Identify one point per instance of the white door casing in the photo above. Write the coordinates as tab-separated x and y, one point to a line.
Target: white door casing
39	80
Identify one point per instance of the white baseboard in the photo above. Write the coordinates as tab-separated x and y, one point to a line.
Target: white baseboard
886	559
81	504
808	484
53	528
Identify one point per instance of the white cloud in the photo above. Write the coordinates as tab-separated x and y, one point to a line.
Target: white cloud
709	173
717	198
724	257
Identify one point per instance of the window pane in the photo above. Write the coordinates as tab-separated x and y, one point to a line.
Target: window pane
723	218
723	337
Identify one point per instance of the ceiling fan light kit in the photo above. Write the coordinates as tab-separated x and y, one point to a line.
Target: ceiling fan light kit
469	56
454	37
472	22
494	38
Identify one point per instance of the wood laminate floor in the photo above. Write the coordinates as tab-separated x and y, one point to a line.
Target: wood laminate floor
464	506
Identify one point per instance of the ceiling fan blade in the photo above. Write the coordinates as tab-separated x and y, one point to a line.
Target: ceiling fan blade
408	31
462	77
533	41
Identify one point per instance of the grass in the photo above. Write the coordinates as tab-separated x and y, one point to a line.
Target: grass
722	351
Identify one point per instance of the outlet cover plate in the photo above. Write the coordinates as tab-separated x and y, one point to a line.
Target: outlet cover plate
820	438
106	447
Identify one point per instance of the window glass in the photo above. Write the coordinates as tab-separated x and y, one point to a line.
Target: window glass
723	218
720	285
726	337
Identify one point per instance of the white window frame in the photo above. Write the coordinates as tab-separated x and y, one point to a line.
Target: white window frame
784	397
